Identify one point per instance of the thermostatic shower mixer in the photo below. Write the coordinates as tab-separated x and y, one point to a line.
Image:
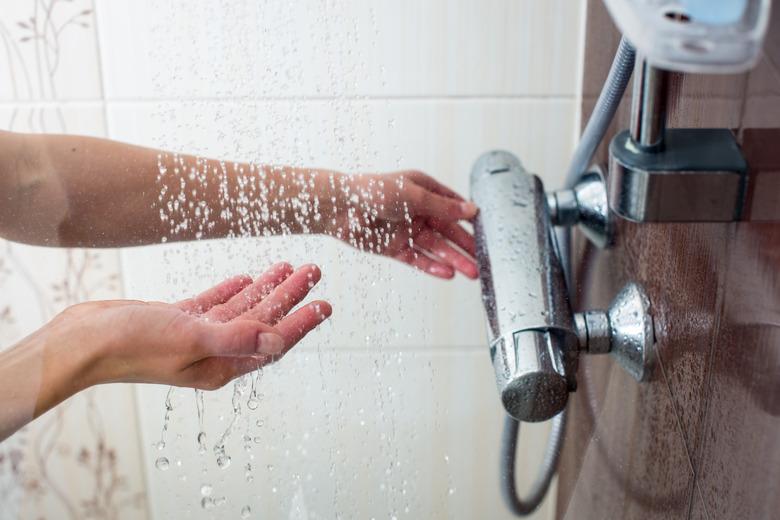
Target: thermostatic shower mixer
535	338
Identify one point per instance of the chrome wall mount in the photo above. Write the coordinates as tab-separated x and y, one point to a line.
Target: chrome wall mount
535	338
699	175
673	175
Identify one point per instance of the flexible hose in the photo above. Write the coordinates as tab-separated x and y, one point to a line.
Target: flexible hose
528	504
600	119
603	112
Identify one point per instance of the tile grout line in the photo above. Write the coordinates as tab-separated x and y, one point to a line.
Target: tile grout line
720	305
297	99
681	431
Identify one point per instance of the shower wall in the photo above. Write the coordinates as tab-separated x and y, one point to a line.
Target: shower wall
390	410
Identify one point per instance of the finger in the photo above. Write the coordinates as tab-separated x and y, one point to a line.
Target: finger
431	241
425	202
294	327
234	338
428	182
422	262
220	293
252	294
456	234
285	296
215	372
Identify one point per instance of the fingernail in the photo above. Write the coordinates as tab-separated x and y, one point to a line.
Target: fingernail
469	209
269	343
443	271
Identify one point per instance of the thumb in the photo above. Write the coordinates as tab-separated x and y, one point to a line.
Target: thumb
238	338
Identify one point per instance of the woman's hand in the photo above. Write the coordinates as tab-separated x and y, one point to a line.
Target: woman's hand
203	342
406	215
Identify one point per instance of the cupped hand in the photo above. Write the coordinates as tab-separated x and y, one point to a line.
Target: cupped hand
203	342
408	216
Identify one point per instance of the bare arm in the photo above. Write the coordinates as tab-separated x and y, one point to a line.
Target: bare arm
74	191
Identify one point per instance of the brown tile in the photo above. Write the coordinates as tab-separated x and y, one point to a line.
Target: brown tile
739	462
762	201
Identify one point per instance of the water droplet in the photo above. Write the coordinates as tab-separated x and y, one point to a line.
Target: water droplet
246	511
223	461
207	503
162	463
202	442
206	490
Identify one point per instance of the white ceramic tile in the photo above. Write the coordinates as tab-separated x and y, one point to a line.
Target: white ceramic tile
85	118
359	435
48	50
88	448
376	301
185	49
443	137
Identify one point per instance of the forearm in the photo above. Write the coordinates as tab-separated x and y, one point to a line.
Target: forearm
87	192
38	373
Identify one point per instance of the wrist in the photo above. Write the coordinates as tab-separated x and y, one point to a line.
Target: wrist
50	366
315	200
72	351
336	195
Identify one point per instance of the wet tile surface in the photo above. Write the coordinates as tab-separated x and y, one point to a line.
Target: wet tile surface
713	402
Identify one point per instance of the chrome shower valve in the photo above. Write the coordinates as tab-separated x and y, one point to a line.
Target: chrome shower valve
535	338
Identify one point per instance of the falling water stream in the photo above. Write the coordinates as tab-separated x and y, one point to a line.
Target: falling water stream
271	453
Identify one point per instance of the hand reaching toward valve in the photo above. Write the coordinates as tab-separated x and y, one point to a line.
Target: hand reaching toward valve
408	216
75	191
